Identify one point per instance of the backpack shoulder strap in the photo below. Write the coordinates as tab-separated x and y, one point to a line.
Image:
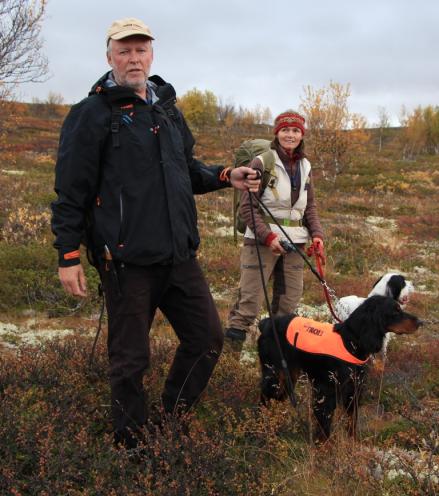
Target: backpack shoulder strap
268	160
170	109
116	116
167	97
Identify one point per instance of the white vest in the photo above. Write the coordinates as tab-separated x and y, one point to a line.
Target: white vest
280	205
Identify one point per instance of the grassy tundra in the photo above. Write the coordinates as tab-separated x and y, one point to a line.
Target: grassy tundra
380	215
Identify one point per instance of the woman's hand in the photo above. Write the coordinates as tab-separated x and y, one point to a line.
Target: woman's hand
276	247
318	249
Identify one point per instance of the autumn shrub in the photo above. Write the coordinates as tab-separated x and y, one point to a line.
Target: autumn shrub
56	435
54	430
355	251
23	226
29	279
421	132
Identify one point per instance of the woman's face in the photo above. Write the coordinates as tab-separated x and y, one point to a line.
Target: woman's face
289	138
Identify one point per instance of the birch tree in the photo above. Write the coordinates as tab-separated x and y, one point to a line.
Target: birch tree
21	56
335	134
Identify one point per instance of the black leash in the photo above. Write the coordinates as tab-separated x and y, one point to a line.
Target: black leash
290	387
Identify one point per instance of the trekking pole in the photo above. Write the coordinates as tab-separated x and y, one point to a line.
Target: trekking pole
98	331
290	387
107	267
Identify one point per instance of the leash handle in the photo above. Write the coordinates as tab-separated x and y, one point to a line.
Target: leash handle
320	257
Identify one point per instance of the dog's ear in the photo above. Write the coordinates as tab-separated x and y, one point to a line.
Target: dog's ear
366	326
394	286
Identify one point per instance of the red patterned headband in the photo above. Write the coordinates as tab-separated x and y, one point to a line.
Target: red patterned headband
289	119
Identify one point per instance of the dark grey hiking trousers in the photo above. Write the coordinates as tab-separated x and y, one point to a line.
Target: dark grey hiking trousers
182	294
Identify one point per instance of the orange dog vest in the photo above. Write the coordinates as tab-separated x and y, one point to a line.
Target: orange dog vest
319	338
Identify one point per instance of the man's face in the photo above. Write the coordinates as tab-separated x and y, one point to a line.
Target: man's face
131	60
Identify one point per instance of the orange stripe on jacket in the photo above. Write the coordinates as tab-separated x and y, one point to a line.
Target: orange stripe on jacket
71	255
319	338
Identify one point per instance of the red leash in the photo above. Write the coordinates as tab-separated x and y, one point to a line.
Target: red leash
313	249
319	258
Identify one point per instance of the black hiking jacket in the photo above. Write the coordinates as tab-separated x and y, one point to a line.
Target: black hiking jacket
128	183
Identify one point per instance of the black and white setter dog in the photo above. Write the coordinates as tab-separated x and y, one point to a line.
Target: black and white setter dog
333	379
391	284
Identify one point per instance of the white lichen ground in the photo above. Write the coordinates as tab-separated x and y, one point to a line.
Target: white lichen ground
419	466
31	331
13	335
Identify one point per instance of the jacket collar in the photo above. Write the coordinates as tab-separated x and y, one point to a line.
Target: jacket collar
163	92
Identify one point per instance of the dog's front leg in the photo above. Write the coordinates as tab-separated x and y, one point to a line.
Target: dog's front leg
351	393
324	404
352	422
351	403
272	384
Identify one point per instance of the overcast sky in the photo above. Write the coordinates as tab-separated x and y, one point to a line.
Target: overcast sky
253	52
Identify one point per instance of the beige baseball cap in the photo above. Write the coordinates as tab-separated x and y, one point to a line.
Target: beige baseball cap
130	26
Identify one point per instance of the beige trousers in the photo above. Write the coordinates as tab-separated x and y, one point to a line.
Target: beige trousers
286	273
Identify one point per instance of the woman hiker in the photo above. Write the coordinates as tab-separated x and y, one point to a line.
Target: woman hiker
289	196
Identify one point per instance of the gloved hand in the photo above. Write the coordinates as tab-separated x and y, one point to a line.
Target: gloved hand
318	249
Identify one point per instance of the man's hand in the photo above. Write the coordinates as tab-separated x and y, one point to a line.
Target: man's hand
245	178
73	280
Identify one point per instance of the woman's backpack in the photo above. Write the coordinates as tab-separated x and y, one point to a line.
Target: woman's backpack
246	152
